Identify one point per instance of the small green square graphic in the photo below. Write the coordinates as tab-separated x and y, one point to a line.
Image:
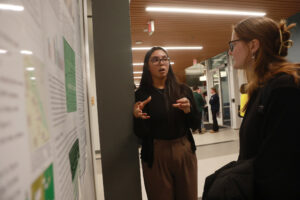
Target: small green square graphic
70	76
74	156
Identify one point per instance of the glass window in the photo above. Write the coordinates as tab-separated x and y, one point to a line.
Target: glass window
218	61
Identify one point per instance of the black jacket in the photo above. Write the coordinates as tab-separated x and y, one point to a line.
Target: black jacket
214	103
166	122
269	148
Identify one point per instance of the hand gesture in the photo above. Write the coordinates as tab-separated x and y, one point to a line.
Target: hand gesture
183	104
138	109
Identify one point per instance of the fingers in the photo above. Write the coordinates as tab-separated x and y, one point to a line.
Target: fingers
145	116
176	105
138	109
139	114
183	104
183	100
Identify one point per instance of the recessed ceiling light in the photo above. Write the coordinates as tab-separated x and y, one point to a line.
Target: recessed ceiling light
11	7
26	52
203	11
30	68
3	51
170	48
202	78
138	42
137	64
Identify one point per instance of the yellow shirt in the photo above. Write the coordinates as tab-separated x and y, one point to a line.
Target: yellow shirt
244	99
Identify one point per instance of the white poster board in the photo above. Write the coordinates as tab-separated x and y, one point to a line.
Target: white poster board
44	135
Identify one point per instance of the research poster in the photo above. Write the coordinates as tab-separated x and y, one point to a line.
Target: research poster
43	104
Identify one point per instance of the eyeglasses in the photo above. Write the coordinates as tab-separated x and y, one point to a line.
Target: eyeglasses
156	60
231	44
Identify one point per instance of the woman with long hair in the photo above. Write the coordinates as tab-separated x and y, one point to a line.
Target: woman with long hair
163	113
268	163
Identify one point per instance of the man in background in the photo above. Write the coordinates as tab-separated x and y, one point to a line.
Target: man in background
200	104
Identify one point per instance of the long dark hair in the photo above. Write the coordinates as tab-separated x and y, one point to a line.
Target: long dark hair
173	89
274	41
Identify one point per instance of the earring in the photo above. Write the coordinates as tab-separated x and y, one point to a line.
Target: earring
253	57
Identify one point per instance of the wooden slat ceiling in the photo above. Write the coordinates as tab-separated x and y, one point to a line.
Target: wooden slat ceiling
210	31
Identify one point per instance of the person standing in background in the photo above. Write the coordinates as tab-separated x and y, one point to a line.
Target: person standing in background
199	103
215	108
205	108
244	100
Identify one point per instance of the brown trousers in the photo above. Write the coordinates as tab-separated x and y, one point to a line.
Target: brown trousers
173	175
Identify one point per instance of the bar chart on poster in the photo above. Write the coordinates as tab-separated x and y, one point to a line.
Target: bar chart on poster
45	151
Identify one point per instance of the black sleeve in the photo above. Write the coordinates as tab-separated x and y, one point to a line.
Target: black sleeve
202	102
277	166
141	127
218	103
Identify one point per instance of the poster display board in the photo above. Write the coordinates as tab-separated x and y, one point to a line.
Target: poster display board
43	107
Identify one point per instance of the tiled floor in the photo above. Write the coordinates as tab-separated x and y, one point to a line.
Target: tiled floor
224	135
213	151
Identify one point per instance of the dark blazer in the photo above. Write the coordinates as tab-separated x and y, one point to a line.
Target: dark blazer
215	103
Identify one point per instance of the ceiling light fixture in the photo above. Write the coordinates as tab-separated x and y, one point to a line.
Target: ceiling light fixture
137	64
202	78
137	72
137	77
139	42
11	7
26	52
30	68
169	48
3	51
203	11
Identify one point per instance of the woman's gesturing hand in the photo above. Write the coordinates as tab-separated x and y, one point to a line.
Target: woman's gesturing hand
183	104
138	109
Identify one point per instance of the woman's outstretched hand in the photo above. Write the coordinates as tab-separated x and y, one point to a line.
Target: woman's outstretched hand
183	104
138	109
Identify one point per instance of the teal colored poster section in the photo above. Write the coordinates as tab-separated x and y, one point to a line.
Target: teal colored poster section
70	77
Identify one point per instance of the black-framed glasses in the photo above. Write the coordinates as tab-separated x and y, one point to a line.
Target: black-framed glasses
231	44
156	60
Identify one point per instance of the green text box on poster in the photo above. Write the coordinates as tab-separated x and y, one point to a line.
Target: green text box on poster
70	75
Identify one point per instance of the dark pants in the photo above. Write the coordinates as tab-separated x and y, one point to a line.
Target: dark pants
174	171
200	120
205	109
215	122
